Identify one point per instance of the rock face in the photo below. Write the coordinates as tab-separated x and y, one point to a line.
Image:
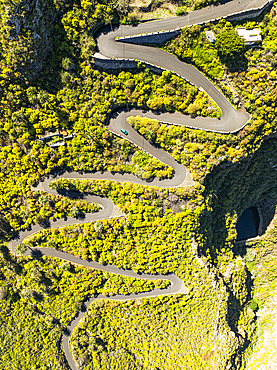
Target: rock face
25	35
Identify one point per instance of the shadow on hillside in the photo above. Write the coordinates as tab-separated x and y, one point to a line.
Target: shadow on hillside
49	78
238	64
232	188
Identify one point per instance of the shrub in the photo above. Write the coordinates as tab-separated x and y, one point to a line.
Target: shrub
182	10
229	44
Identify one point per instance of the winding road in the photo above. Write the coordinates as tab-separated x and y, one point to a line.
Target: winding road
110	46
107	206
231	121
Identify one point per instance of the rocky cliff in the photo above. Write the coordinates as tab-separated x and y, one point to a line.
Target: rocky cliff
25	36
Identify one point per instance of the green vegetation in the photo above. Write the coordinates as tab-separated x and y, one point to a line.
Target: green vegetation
186	231
248	79
153	334
182	10
192	46
126	242
155	240
41	298
229	44
261	261
197	150
150	9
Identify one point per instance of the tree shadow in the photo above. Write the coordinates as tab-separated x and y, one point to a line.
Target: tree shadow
5	228
44	222
67	332
38	296
238	64
73	194
5	252
36	253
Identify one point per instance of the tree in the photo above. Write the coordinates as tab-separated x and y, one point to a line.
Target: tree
3	293
193	108
229	44
87	46
26	293
98	227
75	211
67	64
43	199
122	6
21	248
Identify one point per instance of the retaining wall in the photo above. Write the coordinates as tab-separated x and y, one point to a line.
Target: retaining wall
107	64
151	38
252	13
162	36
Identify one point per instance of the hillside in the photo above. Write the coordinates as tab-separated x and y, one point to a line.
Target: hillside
129	220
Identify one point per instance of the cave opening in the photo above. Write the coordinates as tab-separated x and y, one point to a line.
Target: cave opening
248	224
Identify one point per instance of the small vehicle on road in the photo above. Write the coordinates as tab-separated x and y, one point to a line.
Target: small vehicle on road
124	131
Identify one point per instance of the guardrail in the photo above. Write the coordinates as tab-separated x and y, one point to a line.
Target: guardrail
164	35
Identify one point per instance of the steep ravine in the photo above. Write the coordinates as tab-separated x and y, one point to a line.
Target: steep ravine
230	189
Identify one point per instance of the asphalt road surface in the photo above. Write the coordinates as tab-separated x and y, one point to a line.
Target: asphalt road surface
230	121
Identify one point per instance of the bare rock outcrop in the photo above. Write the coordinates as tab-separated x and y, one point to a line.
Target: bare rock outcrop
26	34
